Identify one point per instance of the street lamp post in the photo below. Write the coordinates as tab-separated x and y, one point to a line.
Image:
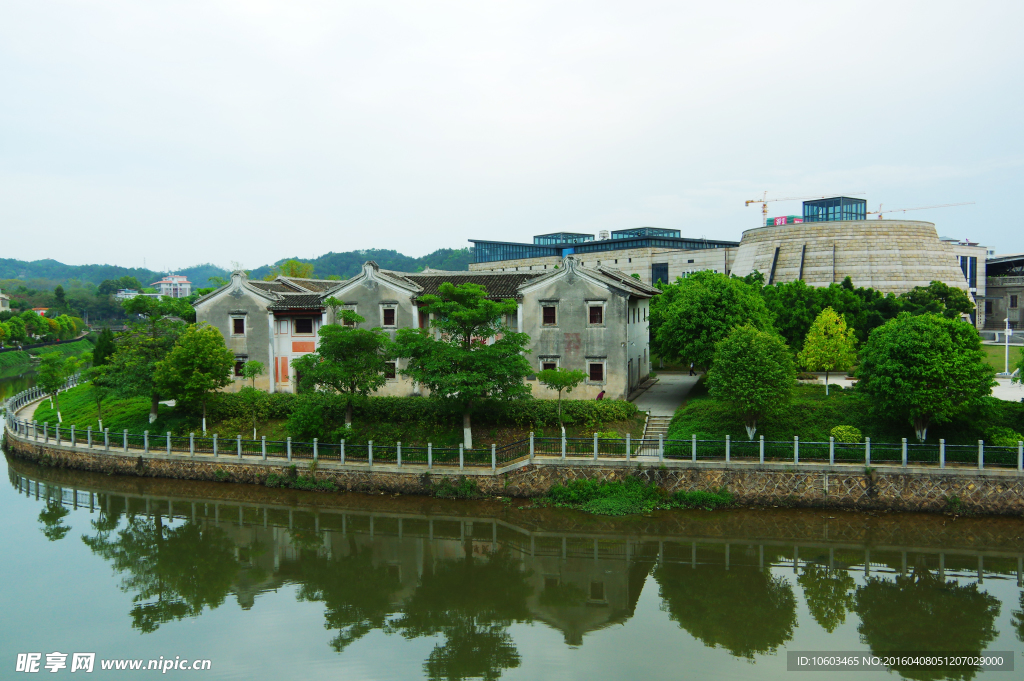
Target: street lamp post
1006	340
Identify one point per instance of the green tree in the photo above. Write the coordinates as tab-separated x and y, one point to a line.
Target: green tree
252	370
829	594
105	347
255	406
471	355
695	313
54	371
60	298
198	364
753	371
291	268
16	330
561	379
349	360
100	384
937	298
1019	368
926	369
829	345
146	342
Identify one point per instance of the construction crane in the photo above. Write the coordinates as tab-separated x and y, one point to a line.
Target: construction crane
764	201
880	212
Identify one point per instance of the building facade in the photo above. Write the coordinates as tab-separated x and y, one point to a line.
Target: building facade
173	286
1004	292
5	302
593	319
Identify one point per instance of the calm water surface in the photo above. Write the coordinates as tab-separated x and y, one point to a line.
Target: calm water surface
271	584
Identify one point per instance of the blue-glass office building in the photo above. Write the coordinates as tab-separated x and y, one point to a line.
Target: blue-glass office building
835	209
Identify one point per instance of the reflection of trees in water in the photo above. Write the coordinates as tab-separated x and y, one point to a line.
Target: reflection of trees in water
52	518
1018	620
471	601
921	612
828	593
174	572
355	592
744	609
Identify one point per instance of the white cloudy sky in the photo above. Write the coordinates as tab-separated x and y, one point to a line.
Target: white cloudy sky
218	130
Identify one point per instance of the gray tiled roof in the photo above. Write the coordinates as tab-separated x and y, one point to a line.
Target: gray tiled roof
499	285
274	286
312	284
292	301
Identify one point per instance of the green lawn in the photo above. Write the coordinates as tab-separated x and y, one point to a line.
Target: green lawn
995	355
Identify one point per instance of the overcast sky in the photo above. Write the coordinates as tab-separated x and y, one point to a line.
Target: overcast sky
182	132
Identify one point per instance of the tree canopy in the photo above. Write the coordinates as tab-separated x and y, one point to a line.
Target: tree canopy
829	345
753	370
926	369
198	364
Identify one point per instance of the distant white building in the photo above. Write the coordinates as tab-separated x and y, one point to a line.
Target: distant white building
5	302
174	286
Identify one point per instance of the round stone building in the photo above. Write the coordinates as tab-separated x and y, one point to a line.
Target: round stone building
891	256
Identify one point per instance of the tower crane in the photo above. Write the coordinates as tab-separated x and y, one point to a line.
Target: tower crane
880	213
764	201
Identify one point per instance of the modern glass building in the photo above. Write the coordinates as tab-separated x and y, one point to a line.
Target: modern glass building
835	209
543	245
561	238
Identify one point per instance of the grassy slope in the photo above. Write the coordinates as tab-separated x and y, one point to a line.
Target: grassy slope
20	357
811	416
79	408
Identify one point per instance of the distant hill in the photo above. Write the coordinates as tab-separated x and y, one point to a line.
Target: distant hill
46	274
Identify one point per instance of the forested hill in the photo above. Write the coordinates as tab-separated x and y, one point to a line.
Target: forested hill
46	274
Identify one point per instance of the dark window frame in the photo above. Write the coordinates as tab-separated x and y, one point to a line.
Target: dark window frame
296	328
544	315
384	316
598	318
599	366
390	370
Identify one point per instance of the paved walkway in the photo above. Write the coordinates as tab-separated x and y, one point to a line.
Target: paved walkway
665	396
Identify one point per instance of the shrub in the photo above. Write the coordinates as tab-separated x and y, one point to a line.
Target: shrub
847	434
465	489
805	376
701	499
606	498
1000	436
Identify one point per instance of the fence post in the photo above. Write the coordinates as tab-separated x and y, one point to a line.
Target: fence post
106	439
1020	456
627	447
904	452
693	453
145	441
399	454
796	450
595	446
215	445
168	442
981	455
72	436
430	455
191	444
56	430
867	451
462	463
343	451
239	445
46	432
728	453
831	451
369	452
661	447
494	458
35	430
289	449
126	440
263	446
942	453
531	446
316	452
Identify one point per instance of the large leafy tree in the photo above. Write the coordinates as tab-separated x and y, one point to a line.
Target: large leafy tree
198	364
54	371
695	313
146	342
753	371
469	354
926	369
349	360
291	268
105	347
829	345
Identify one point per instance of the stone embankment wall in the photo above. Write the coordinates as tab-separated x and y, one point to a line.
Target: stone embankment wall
881	488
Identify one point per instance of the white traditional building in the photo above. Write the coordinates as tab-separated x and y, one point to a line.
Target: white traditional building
592	319
174	286
5	302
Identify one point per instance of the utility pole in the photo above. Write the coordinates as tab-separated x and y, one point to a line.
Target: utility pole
1006	340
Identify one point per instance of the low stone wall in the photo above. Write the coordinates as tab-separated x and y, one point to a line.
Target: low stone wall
883	488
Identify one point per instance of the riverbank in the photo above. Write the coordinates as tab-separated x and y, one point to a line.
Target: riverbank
14	359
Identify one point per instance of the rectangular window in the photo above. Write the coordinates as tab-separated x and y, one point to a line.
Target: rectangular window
424	318
1013	301
238	366
597	591
548	365
282	327
238	326
988	307
389	370
349	308
389	316
659	272
304	325
597	372
596	314
549	315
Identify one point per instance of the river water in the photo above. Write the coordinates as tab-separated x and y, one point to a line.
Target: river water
15	380
277	584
